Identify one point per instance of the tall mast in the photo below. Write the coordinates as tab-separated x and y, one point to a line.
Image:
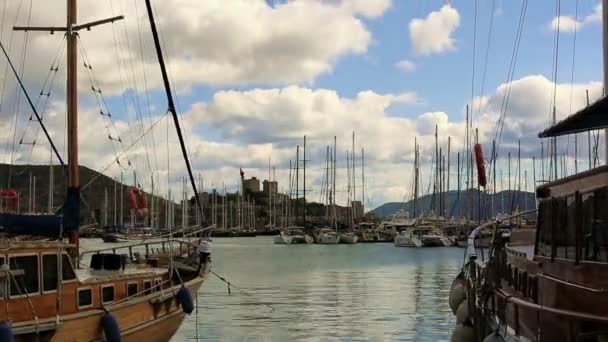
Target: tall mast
297	179
447	205
334	187
353	175
415	178
363	181
304	183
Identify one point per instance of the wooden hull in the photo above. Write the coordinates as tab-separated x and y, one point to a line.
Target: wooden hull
155	317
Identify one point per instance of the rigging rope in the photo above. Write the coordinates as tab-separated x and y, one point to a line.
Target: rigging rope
510	74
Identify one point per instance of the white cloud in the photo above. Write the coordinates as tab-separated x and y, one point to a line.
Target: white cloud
434	33
568	23
405	65
243	128
214	42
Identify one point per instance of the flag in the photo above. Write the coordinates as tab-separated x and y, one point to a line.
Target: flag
242	174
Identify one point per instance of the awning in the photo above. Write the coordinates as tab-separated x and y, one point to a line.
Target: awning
594	116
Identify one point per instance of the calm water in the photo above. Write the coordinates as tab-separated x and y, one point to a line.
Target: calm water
364	292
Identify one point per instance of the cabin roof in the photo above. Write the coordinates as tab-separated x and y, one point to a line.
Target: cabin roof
594	116
544	190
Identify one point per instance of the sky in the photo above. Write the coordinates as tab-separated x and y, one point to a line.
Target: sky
252	77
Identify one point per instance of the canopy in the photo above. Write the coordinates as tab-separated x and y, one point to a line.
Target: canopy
594	116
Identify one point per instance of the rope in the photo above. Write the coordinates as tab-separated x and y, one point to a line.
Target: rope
242	291
105	168
510	74
101	103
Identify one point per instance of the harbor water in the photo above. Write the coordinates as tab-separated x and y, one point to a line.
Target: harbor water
363	292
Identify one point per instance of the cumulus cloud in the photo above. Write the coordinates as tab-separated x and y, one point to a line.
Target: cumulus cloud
405	65
243	128
433	34
213	42
568	23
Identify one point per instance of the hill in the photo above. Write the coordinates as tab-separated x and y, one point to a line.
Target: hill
457	204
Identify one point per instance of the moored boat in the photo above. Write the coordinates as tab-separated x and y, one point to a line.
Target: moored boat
328	237
348	238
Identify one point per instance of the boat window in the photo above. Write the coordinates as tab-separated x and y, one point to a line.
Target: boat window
85	298
565	227
132	289
49	271
595	229
29	282
147	286
107	294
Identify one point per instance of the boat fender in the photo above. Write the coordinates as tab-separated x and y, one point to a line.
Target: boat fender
462	314
494	337
463	333
481	169
6	332
110	327
185	299
457	292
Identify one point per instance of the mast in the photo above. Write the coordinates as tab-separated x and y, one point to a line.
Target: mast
353	175
269	198
363	180
415	214
447	202
458	184
170	103
435	185
297	179
304	183
334	187
51	179
290	196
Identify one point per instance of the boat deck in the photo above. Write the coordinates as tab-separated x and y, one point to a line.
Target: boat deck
87	275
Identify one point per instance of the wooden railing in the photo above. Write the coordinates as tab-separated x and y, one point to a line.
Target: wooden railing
151	248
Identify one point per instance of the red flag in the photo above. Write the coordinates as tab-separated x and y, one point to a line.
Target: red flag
242	174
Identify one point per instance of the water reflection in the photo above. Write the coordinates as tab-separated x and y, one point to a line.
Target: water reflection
365	292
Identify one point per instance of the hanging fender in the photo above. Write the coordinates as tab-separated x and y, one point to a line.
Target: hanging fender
110	327
185	299
481	169
137	201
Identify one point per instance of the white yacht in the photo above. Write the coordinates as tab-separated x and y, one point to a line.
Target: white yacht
283	238
421	236
293	235
328	236
349	238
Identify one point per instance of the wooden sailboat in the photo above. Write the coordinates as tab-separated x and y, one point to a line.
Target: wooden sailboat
548	283
128	294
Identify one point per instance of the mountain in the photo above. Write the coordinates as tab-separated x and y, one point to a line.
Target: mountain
457	205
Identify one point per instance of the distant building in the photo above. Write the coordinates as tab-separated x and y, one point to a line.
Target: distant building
251	185
270	186
357	209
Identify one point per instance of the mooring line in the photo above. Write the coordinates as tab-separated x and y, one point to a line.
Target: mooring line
230	285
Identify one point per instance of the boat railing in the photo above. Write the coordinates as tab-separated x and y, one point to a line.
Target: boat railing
152	246
471	248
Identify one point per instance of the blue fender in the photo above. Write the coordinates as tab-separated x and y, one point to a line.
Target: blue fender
110	327
185	299
6	332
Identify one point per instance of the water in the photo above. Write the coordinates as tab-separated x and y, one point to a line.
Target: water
364	292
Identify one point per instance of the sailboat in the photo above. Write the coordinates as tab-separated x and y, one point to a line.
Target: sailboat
48	295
